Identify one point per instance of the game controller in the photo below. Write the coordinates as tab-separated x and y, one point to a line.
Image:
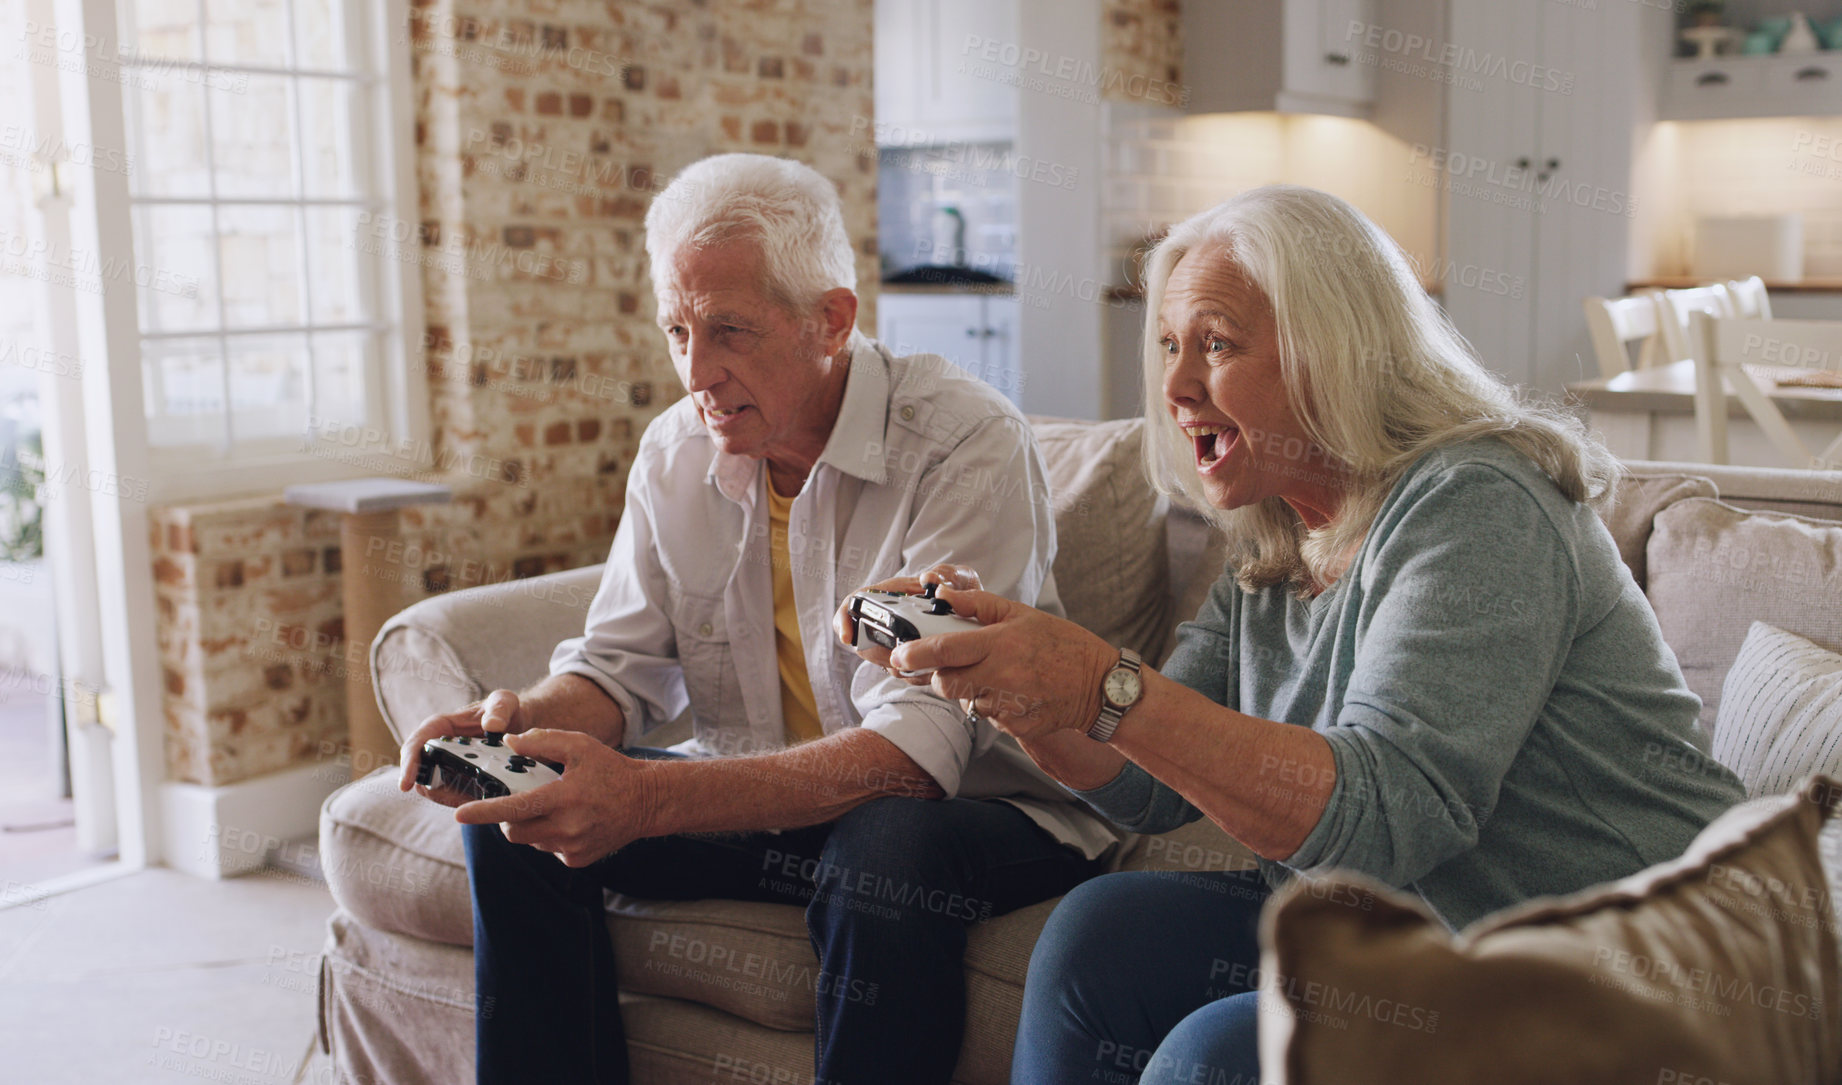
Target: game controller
889	618
482	768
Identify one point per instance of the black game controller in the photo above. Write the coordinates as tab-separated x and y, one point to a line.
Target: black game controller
482	768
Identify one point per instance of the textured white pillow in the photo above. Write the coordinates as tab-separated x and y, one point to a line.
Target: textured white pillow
1780	712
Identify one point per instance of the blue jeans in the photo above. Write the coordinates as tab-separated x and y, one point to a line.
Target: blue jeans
889	890
1146	977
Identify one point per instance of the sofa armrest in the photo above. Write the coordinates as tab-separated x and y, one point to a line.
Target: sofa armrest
453	649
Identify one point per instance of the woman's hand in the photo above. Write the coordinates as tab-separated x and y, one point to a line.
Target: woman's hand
1030	673
952	576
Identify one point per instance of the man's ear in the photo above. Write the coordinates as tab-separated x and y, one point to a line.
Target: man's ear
838	316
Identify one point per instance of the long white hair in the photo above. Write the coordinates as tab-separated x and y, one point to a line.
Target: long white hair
787	208
1377	374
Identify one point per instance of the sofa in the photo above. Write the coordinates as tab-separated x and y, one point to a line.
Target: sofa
720	991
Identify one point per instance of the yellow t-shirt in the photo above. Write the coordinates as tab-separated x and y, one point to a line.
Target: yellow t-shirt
798	707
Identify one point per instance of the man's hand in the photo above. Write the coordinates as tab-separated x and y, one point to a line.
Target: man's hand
604	801
946	575
1030	673
497	711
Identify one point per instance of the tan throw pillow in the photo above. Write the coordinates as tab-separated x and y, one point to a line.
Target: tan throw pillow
1717	967
1637	500
1780	712
1716	569
1110	563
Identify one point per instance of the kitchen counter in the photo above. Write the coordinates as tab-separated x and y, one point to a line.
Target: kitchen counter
1678	282
999	289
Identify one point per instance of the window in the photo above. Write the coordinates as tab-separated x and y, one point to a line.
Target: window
260	146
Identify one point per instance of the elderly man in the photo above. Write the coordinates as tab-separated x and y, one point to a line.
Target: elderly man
805	462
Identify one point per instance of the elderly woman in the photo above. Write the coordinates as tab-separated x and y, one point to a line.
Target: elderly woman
1426	661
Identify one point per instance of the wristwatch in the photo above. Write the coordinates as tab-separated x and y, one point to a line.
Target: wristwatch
1119	690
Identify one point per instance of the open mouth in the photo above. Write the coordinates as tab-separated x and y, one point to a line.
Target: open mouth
1212	443
724	413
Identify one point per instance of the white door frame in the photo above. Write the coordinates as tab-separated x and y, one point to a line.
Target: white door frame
69	538
107	328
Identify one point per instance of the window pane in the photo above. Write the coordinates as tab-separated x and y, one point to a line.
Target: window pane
247	32
262	266
343	277
183	381
161	28
341	362
319	34
252	135
268	386
166	135
176	279
334	136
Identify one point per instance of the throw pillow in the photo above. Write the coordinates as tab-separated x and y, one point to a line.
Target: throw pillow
1715	569
1780	712
1637	500
1719	966
1110	563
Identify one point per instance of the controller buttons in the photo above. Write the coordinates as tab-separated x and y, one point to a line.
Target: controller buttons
941	606
494	738
930	590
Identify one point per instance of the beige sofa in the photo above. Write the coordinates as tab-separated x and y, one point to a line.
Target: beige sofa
722	991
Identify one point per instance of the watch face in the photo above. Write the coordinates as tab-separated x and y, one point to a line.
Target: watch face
1122	687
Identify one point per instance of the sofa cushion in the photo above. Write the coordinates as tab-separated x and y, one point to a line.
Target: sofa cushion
1715	569
1110	563
1720	967
1637	500
1780	712
393	860
756	960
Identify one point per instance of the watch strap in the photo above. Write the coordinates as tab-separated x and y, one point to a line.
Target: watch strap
1101	730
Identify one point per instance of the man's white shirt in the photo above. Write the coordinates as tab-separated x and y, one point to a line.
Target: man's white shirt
924	465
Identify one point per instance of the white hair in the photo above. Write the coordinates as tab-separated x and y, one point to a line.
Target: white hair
1376	372
787	208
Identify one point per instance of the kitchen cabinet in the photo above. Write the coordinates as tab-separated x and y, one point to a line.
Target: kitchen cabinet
1323	63
948	71
1535	177
1805	85
977	332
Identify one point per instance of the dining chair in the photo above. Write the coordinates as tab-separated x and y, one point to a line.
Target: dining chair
1673	310
1615	325
1726	346
1749	297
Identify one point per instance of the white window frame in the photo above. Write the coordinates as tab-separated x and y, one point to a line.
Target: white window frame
396	389
117	555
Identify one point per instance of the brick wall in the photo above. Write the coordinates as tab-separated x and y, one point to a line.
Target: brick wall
540	140
1142	41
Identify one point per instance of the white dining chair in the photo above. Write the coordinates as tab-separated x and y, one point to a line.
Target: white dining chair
1749	297
1673	310
1615	325
1725	346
